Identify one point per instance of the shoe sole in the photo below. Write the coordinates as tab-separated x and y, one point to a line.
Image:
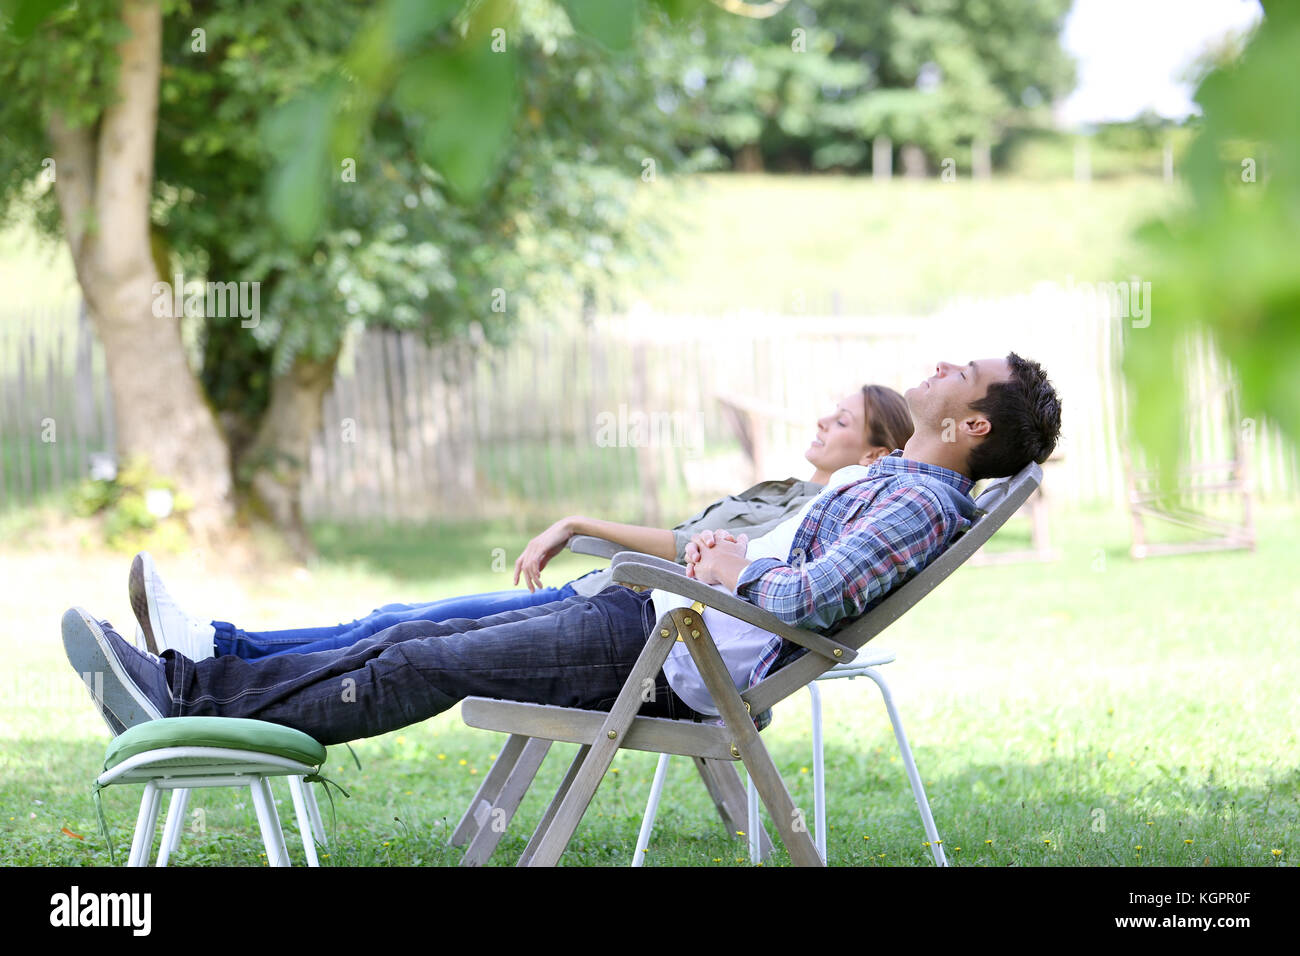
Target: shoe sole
90	653
138	589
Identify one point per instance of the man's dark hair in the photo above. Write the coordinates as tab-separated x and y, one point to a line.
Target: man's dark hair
1025	415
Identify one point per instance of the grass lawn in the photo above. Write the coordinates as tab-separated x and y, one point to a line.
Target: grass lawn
1094	711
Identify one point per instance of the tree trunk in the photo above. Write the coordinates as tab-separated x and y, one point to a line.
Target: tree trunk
277	461
104	187
749	159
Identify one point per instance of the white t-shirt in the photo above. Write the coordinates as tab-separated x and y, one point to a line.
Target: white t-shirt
741	644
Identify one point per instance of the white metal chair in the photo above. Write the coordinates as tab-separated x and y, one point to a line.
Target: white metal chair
167	755
863	666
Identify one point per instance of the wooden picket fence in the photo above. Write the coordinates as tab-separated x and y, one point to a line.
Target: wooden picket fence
55	407
619	415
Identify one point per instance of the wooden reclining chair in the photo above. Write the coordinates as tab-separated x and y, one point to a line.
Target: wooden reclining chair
714	747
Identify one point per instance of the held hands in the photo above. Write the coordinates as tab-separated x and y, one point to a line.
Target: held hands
710	553
540	551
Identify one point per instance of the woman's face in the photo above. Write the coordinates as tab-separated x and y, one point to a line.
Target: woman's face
842	437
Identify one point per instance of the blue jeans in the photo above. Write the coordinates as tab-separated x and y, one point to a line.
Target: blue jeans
573	653
252	645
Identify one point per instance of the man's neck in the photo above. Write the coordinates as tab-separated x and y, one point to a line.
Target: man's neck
933	450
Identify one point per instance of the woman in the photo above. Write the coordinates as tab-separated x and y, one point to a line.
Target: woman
865	426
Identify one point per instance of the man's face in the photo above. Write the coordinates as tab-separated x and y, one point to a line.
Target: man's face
948	393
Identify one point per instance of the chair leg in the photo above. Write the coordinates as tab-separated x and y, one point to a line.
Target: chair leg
480	807
304	820
145	821
651	810
723	781
507	802
918	791
544	824
819	772
571	811
277	854
171	838
785	815
755	821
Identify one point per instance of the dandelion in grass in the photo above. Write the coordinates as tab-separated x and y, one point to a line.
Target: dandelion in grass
1188	842
803	769
442	756
463	761
1276	853
987	842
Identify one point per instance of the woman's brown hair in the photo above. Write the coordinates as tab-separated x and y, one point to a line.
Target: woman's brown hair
889	423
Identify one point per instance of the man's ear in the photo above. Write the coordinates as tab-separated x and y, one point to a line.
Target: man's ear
873	454
977	427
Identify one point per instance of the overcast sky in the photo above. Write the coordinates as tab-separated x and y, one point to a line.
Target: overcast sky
1130	54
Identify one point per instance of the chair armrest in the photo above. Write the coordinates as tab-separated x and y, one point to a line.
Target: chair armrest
632	568
590	544
649	560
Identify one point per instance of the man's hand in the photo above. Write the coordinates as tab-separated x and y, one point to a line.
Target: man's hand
716	557
540	551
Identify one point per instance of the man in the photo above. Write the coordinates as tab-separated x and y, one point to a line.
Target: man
865	425
988	418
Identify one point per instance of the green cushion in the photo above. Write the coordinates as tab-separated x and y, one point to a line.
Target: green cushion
234	733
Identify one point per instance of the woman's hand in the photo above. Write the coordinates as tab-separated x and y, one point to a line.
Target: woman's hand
705	549
540	551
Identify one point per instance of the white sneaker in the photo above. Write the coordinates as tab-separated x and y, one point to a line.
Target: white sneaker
162	622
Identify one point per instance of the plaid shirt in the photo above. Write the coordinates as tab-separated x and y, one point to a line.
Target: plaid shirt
857	544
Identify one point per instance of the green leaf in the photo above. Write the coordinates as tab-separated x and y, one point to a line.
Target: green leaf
26	15
298	135
678	9
412	21
467	99
612	22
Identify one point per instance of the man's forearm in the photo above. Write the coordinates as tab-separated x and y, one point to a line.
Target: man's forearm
634	537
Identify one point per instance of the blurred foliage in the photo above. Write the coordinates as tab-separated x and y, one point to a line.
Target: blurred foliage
415	225
1227	260
1114	149
811	87
123	504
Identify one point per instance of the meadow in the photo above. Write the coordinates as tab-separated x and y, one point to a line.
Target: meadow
1094	710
